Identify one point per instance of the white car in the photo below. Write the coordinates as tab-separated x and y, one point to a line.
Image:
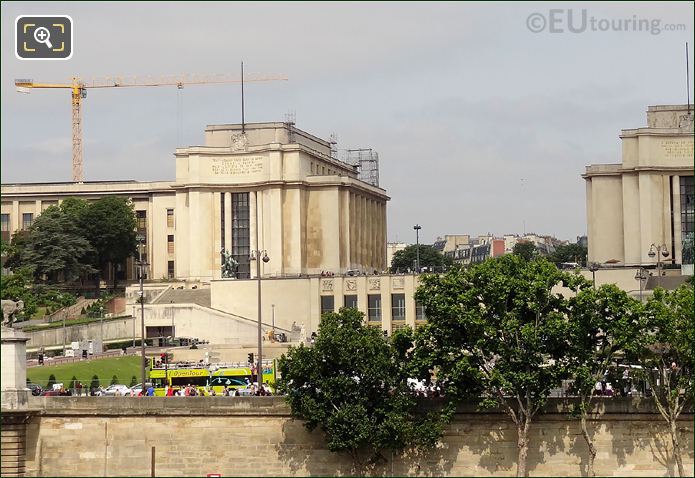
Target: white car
116	390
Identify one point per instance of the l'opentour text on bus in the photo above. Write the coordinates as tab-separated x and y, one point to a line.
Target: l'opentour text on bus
209	377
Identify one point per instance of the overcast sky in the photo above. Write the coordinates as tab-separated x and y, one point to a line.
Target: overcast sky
481	125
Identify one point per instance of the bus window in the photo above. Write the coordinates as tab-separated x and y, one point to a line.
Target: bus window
183	381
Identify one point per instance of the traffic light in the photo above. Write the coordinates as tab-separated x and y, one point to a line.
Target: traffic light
251	358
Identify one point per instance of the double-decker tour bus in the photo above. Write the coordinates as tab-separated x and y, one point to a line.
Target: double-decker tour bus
207	377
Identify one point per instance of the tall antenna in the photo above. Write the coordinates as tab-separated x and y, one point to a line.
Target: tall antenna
243	126
687	75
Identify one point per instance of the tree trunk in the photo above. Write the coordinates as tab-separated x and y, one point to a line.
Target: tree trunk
676	447
522	428
590	444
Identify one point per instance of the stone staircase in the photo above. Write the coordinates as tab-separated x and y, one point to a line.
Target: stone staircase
185	296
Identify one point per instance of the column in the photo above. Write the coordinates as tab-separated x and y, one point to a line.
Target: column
227	221
217	234
14	218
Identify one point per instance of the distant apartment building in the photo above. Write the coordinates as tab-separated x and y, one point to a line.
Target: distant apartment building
451	242
476	250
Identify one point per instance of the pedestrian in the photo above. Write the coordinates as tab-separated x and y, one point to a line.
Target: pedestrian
150	391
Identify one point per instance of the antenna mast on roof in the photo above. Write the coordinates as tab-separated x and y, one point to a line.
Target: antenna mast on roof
687	76
243	126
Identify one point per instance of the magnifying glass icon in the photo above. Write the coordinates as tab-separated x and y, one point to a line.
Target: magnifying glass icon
42	35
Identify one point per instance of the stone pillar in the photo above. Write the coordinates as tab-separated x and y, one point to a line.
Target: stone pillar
15	395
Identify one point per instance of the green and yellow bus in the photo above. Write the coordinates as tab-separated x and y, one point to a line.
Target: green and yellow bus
208	377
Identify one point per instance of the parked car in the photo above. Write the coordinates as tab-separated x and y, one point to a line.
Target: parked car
36	390
56	393
116	390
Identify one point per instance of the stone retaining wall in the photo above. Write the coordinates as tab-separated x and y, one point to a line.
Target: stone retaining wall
194	436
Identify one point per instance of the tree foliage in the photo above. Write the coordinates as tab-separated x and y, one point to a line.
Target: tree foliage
78	237
497	333
603	323
525	249
55	249
569	253
109	225
666	356
429	257
352	385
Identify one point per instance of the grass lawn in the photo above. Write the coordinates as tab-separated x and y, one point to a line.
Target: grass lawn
124	368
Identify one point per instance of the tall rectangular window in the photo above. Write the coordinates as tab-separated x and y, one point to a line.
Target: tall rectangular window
687	218
327	304
350	301
170	243
420	312
222	223
5	227
170	218
170	269
374	307
241	246
397	306
27	220
141	220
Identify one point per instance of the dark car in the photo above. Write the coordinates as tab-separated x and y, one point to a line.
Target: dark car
36	390
56	393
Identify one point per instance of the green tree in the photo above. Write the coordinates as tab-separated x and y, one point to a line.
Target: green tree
429	257
109	226
114	380
497	327
12	252
73	382
569	253
603	323
525	249
55	248
95	384
51	381
133	381
666	356
352	385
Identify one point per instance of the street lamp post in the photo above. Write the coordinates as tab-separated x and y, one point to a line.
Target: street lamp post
658	251
257	256
273	306
101	326
417	228
640	276
141	272
593	267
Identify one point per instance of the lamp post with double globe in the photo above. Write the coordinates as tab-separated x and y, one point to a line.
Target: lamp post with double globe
258	256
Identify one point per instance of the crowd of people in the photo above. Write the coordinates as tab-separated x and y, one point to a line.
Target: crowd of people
251	390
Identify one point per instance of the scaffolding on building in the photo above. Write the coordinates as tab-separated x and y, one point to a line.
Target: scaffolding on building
365	161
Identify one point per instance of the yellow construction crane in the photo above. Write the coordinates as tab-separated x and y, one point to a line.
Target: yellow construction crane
79	88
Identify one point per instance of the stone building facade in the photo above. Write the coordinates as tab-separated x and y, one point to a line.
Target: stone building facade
648	197
267	186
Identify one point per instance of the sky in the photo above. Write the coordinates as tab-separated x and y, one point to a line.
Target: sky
481	124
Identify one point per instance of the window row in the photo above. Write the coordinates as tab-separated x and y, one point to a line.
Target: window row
374	306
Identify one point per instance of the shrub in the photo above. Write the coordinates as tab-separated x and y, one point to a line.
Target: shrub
95	382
